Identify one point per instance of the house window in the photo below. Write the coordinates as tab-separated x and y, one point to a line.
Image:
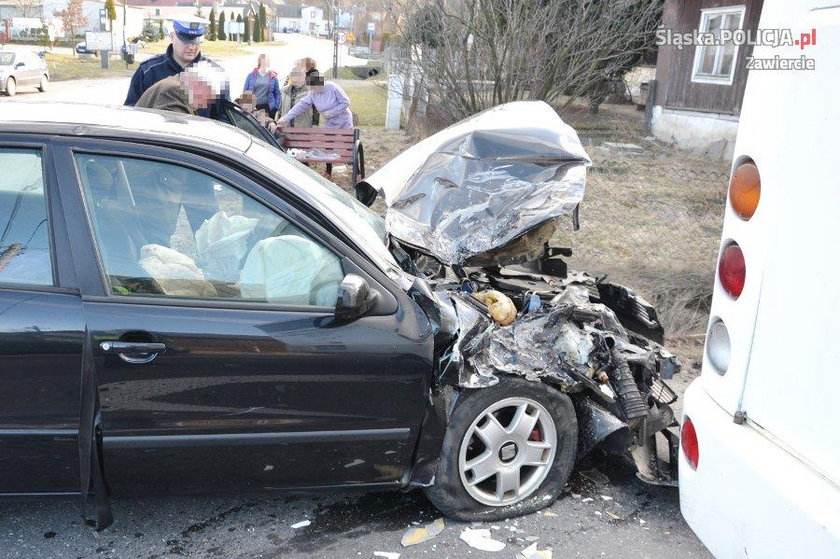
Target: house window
716	63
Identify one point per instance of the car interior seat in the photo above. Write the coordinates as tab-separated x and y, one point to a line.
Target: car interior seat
119	237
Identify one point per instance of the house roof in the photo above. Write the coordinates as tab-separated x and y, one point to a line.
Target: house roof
170	3
288	11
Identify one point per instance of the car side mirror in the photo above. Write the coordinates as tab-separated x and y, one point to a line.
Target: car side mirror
355	298
18	65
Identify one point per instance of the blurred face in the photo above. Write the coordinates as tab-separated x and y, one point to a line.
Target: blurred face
264	62
199	92
184	53
297	78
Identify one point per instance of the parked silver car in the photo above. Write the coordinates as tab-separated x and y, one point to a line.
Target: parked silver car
22	69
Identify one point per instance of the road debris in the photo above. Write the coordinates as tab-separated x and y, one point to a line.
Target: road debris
606	497
531	552
386	554
414	536
549	514
614	516
481	540
595	475
301	524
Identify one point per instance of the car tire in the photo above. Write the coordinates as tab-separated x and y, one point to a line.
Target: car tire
474	447
44	84
11	87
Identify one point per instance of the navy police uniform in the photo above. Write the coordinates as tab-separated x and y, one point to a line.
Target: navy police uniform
164	65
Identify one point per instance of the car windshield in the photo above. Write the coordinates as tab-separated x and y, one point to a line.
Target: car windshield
356	219
6	58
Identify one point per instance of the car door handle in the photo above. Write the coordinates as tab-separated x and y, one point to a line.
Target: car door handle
132	348
135	353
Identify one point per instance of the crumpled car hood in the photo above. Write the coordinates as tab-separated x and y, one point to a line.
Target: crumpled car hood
485	190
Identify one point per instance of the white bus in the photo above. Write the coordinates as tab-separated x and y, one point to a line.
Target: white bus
760	458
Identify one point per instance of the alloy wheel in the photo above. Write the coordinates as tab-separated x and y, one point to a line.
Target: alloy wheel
507	452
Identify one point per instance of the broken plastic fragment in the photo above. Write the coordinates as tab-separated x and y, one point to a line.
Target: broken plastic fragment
386	554
414	536
301	524
531	552
480	539
549	514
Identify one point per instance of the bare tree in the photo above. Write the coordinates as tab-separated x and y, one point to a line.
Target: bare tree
29	8
72	17
474	54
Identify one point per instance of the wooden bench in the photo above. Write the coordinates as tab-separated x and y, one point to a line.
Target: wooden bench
343	143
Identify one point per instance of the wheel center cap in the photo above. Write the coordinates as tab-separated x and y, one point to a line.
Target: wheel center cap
508	452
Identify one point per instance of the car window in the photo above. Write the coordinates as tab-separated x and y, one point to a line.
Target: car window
167	231
24	232
6	58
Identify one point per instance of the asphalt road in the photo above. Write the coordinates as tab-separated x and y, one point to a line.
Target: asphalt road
618	516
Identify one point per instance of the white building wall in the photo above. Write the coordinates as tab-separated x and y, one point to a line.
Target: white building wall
312	21
90	8
288	23
710	134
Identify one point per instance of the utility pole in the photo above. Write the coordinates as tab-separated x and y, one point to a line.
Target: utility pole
335	40
125	44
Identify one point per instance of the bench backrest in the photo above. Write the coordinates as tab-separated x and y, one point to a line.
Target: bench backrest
331	140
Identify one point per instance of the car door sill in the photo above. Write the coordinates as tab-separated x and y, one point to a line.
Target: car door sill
247	439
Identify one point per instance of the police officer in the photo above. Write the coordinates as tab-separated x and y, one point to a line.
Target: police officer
186	37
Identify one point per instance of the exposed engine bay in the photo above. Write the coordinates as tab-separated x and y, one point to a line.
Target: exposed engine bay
595	341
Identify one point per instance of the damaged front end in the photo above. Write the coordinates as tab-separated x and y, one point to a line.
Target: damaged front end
471	211
564	334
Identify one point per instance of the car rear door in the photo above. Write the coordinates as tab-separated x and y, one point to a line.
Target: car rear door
41	328
218	360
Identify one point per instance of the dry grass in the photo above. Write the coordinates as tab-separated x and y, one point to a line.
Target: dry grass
653	222
208	48
72	67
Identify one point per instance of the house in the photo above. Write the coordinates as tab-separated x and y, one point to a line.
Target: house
699	88
288	19
173	9
92	10
313	22
10	9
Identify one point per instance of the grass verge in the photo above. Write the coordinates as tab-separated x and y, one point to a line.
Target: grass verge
71	67
367	99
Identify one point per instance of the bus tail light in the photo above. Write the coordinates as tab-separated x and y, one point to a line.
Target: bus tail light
745	190
718	347
732	270
688	442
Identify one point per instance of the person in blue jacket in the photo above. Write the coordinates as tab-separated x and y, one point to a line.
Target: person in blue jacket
185	49
265	86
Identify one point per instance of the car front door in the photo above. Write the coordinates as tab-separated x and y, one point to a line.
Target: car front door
23	70
218	358
41	329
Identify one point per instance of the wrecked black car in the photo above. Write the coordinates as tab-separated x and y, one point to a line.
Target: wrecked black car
184	308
